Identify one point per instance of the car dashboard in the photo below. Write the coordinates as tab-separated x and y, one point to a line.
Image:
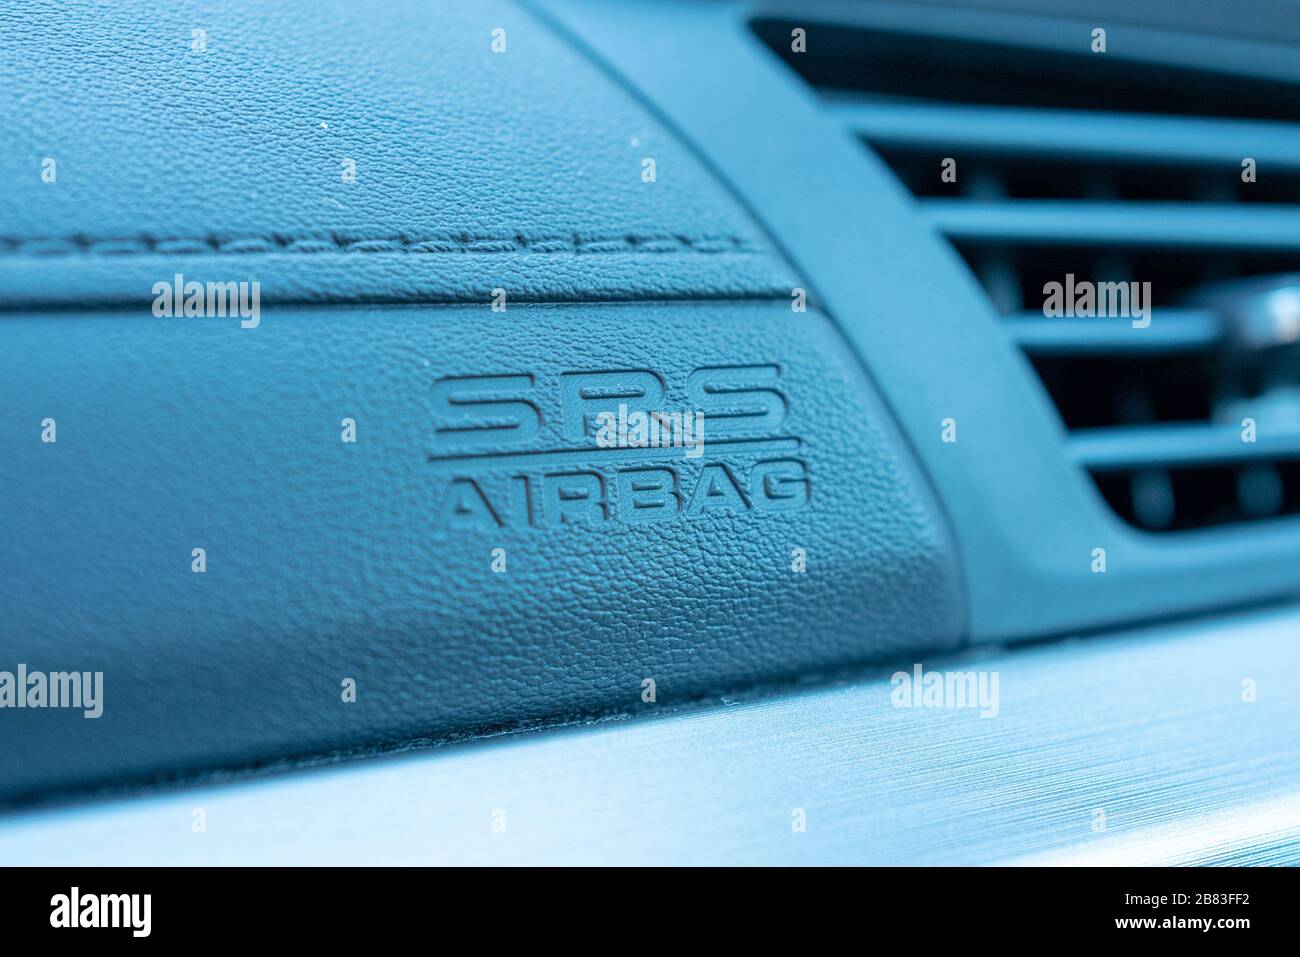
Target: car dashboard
562	432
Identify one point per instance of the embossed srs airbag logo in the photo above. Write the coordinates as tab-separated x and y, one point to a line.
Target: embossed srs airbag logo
624	455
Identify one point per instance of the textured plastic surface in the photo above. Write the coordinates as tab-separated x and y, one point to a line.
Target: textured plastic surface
342	151
328	560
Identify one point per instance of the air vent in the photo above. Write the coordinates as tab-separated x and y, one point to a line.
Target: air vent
1083	169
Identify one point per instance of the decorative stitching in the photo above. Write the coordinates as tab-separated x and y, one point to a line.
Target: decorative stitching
576	244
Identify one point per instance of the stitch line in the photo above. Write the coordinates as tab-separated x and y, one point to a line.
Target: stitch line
402	243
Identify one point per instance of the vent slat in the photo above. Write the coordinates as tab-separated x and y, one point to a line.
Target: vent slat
1121	448
1078	170
1171	330
1127	224
1149	139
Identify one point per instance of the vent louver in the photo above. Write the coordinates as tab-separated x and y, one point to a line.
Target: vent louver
1109	170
